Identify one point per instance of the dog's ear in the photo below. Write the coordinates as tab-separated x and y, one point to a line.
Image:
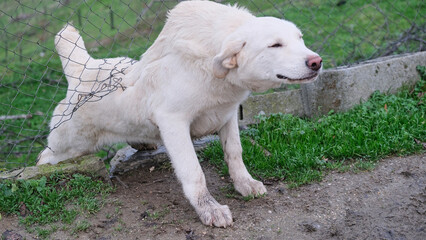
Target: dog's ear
227	58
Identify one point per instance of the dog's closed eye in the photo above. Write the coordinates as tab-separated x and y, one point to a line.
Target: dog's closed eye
276	45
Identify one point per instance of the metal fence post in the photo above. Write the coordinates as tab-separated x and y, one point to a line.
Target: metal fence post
79	17
111	15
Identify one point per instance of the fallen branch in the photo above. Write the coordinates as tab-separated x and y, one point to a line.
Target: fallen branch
17	142
22	116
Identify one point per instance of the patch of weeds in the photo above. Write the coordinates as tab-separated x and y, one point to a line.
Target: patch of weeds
117	211
81	226
177	222
68	216
158	214
89	204
361	165
344	168
166	166
45	233
422	72
58	198
119	228
117	203
250	197
302	150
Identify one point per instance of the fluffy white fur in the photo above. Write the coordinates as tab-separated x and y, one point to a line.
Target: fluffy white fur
188	84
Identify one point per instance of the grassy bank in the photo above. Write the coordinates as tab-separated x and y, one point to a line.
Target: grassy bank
300	151
46	204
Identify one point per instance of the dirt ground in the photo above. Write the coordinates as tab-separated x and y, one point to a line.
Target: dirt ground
386	203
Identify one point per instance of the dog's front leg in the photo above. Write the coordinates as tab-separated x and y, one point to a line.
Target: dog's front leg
231	144
176	137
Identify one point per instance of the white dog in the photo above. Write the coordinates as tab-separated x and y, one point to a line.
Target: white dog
188	84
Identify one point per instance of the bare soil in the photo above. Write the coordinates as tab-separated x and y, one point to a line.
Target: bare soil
386	203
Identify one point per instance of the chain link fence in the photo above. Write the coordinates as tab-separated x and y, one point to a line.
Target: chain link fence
32	82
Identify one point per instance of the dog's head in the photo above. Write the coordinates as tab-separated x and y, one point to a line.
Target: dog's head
264	53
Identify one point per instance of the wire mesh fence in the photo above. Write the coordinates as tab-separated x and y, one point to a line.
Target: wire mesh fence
32	82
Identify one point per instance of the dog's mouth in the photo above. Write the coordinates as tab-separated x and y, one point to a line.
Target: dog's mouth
309	78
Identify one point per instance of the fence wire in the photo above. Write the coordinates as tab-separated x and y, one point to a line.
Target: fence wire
32	82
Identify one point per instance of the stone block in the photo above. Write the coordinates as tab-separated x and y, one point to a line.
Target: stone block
342	88
286	102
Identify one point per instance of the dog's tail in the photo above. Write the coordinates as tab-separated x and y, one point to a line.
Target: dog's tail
74	57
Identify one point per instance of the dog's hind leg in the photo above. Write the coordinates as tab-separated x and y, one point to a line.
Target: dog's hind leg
231	144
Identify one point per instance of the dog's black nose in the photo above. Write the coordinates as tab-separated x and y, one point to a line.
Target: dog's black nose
280	76
314	62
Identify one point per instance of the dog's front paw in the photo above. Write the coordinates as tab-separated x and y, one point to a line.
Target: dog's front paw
212	213
249	187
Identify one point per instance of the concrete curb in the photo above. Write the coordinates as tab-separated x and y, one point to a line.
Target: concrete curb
342	88
338	89
90	165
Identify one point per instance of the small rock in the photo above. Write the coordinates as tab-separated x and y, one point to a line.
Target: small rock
281	190
144	215
190	235
310	226
11	235
334	230
406	174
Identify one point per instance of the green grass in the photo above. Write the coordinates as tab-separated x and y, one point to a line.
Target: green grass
27	90
355	31
56	199
33	82
302	150
80	227
44	233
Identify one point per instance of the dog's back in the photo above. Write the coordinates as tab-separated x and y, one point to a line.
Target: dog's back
196	28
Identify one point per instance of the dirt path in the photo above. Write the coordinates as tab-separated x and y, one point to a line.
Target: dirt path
387	203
